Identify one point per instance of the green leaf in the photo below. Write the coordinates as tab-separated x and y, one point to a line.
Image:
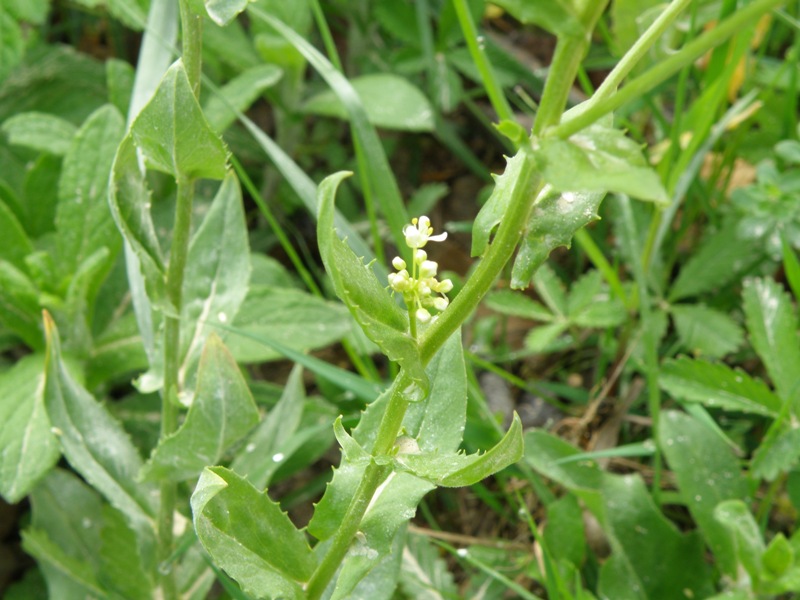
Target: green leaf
248	536
238	94
772	325
542	339
551	290
28	449
458	470
120	567
83	221
12	44
119	77
563	532
778	557
39	131
129	198
30	11
516	304
371	305
723	257
423	573
508	185
222	412
554	220
707	474
94	443
79	301
217	271
599	159
650	557
276	438
717	385
748	545
390	101
364	576
776	454
298	319
223	12
173	134
16	245
556	16
19	305
705	331
629	20
37	543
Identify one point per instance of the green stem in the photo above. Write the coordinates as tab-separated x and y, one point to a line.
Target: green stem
567	60
475	46
667	67
638	50
192	46
374	475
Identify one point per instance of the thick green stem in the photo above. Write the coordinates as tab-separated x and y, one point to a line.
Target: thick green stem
374	475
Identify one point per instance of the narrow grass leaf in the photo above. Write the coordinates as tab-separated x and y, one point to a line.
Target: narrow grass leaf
249	536
238	94
222	412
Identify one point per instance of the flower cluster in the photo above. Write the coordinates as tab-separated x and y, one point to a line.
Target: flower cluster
420	289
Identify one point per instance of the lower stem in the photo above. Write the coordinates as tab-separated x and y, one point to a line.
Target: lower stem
169	402
373	477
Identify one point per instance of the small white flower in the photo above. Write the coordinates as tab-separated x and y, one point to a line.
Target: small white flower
428	269
398	263
444	287
440	303
419	233
423	316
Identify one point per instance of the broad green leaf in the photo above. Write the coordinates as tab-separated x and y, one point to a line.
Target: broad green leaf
173	134
543	337
705	331
585	292
551	290
717	385
516	181
457	470
650	557
371	305
75	533
390	101
599	159
37	543
779	556
28	449
556	16
119	78
223	12
517	304
563	531
40	190
129	198
83	221
776	454
723	257
222	412
128	12
298	319
748	545
19	305
217	272
424	574
554	220
772	325
39	131
79	301
16	245
249	536
117	351
707	474
12	43
121	567
590	305
94	443
629	22
238	94
30	11
276	437
53	79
